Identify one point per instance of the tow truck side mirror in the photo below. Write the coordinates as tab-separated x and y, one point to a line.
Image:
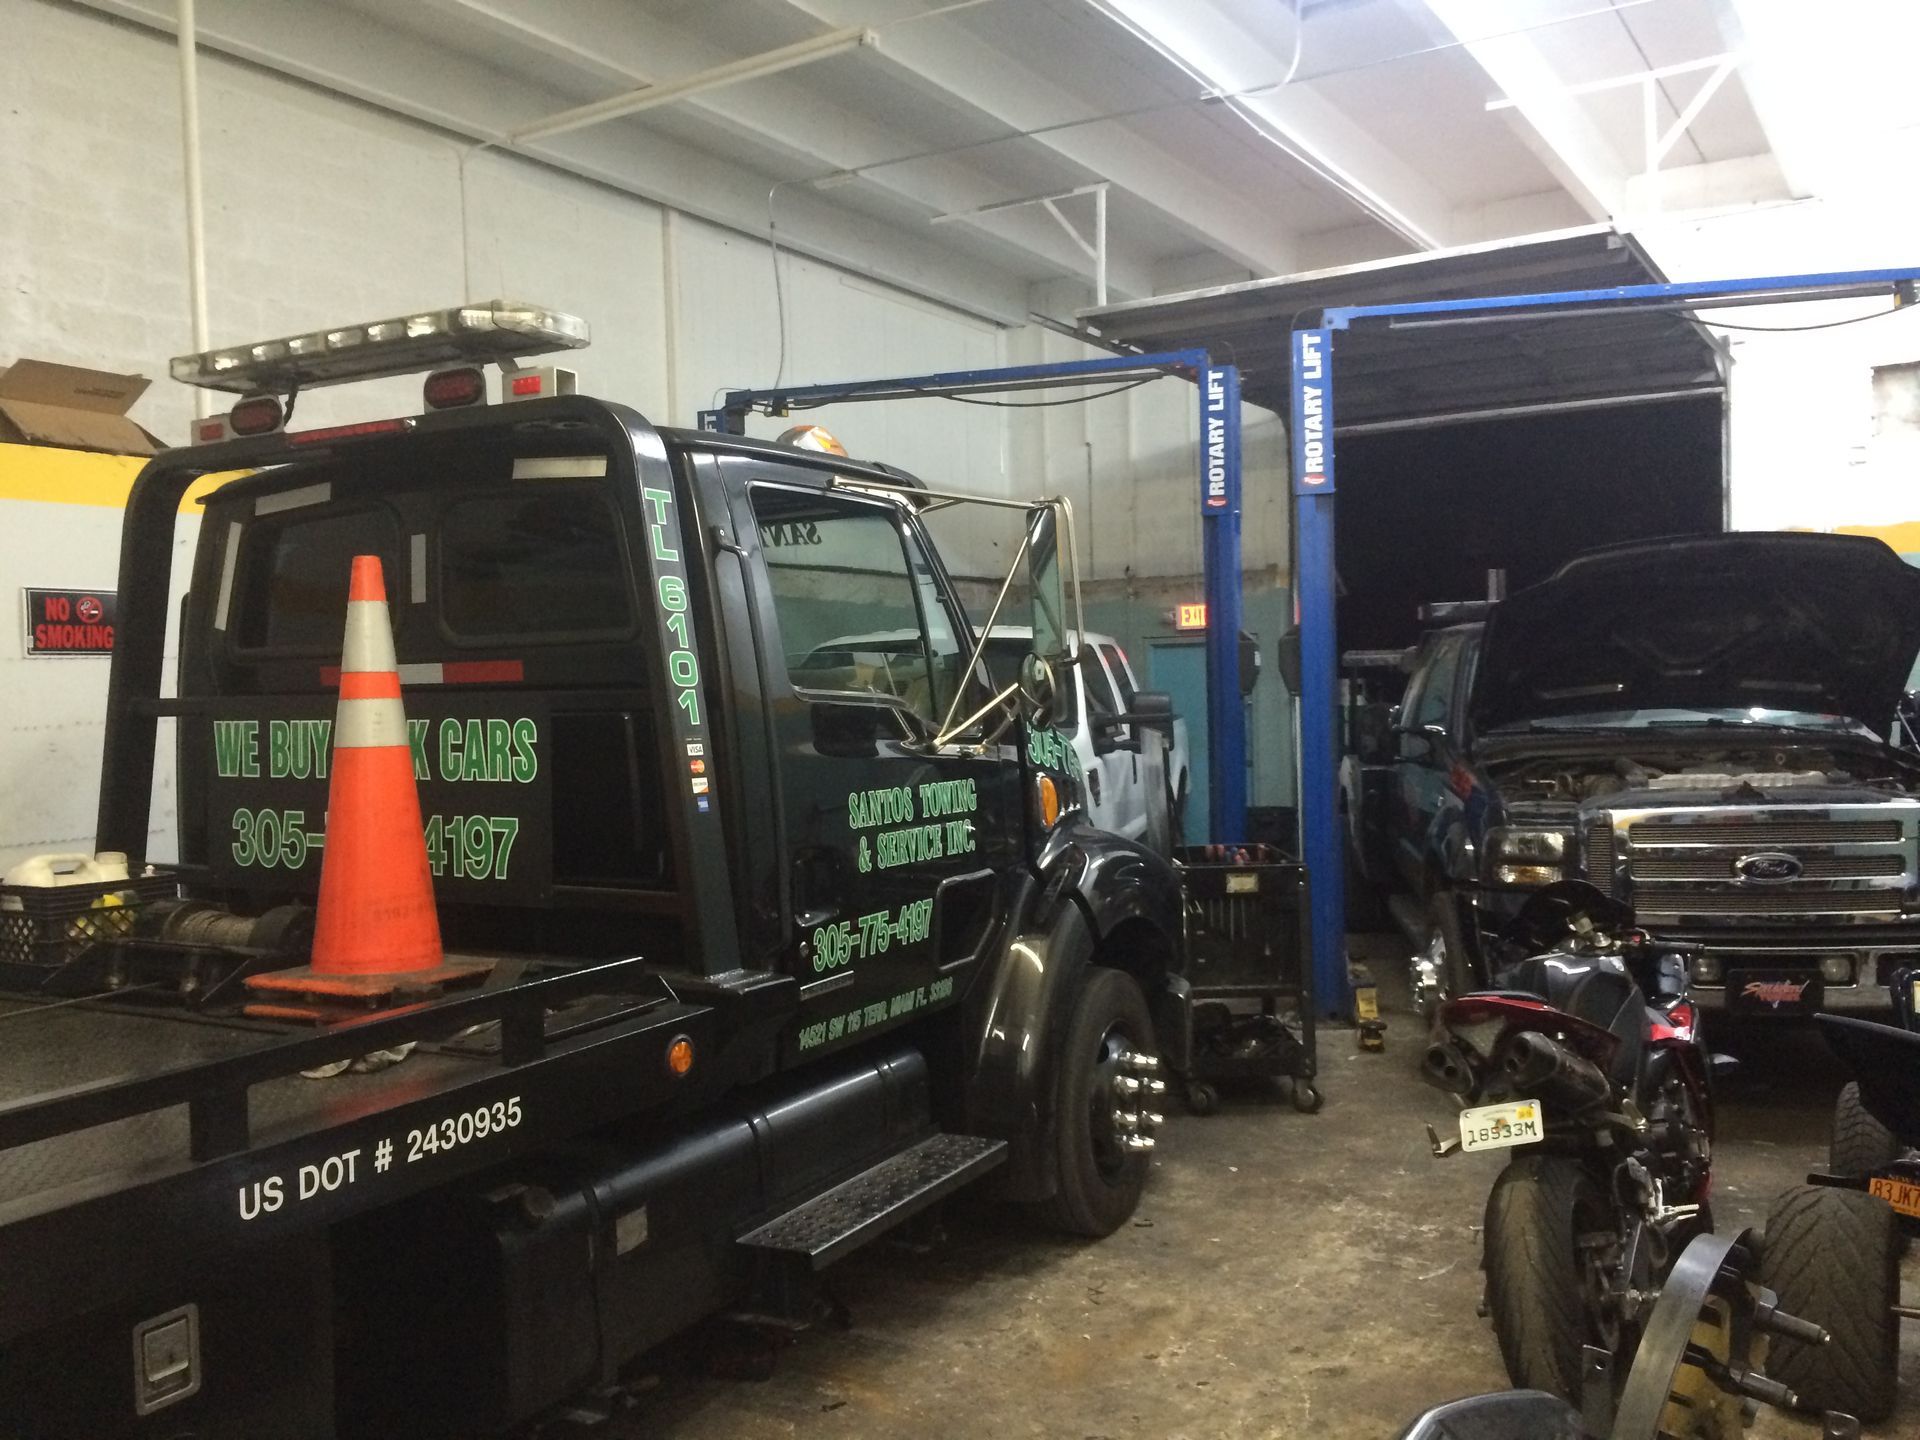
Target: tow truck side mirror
1039	692
1047	599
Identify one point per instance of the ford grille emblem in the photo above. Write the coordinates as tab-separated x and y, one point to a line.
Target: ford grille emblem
1769	867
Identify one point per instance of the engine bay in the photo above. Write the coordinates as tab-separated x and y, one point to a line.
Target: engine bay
1746	769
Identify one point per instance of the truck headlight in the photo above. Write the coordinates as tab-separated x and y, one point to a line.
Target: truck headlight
1532	876
1527	858
1528	847
1836	969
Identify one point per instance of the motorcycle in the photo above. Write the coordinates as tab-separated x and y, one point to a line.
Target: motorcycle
1587	1065
1696	1373
1833	1245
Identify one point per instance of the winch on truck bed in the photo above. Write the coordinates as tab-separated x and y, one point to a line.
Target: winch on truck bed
773	953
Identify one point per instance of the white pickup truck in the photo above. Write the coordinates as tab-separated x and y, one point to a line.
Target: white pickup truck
1137	782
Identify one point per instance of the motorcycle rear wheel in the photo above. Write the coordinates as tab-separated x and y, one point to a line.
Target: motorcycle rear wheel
1540	1292
1861	1144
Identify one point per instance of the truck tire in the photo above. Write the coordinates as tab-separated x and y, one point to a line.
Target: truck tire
1536	1287
1099	1181
1861	1144
1830	1256
1446	944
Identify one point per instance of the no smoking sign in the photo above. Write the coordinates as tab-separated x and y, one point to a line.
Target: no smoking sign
69	622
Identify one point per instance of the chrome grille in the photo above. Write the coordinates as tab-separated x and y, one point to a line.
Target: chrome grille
1599	856
1766	834
1856	862
1719	868
1768	902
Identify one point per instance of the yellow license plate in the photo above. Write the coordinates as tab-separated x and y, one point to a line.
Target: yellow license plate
1496	1127
1902	1195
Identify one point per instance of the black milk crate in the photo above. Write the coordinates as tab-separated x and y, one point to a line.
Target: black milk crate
42	927
1250	966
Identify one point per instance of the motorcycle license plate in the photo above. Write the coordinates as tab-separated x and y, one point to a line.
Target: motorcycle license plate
1902	1195
1496	1127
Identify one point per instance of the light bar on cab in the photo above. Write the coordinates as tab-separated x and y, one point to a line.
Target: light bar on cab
405	345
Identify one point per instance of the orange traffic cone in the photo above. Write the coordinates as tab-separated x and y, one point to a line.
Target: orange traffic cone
376	931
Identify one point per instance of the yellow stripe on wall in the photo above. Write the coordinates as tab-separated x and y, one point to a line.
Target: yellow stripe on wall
1903	535
80	477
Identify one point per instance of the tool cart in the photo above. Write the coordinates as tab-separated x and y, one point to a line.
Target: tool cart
1248	962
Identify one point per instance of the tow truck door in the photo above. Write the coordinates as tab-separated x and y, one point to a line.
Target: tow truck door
894	851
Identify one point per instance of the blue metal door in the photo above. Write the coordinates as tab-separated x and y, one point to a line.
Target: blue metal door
1179	667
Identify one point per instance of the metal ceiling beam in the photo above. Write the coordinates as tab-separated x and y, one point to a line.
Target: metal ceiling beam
344	51
1774	84
701	82
943	58
1581	158
1211	47
623	45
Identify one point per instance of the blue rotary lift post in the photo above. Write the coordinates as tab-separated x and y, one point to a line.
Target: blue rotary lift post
1219	394
1322	845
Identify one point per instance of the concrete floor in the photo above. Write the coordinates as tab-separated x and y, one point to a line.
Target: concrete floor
1287	1275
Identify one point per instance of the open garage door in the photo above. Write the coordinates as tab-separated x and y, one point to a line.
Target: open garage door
1470	445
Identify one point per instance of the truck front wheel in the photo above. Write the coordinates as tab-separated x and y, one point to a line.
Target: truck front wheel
1104	1106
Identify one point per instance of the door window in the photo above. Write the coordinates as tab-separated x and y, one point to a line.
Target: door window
858	617
1122	676
1435	703
1101	700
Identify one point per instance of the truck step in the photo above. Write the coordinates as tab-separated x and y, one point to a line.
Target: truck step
831	1226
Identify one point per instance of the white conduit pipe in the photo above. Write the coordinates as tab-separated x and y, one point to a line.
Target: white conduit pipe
196	213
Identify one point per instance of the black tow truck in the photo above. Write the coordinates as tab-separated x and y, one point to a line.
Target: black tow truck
775	955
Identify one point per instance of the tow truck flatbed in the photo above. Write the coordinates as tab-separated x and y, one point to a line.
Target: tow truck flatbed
112	1115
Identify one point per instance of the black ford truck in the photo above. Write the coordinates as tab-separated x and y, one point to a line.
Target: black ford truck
1698	725
775	956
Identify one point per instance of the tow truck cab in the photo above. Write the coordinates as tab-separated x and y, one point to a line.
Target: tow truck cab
853	919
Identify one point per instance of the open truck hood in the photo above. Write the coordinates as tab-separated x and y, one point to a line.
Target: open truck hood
1827	624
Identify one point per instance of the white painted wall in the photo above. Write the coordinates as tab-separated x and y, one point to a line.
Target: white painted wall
55	713
321	210
1802	443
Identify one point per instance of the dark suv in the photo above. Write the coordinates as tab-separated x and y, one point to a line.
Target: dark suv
1698	725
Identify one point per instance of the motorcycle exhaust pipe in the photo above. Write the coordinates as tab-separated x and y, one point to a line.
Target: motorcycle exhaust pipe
1537	1065
1447	1066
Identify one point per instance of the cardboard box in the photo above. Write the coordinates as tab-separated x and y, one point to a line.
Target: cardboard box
74	408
